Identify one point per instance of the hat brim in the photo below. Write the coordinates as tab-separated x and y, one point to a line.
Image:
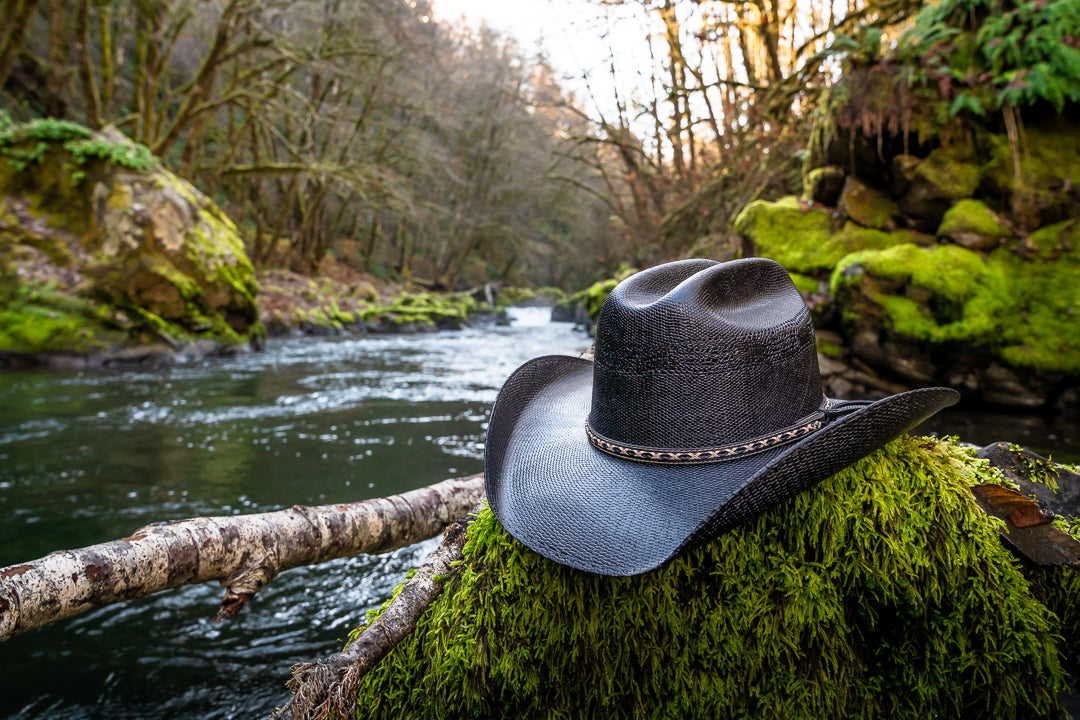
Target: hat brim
553	491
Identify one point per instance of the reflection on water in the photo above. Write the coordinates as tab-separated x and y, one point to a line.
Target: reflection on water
89	456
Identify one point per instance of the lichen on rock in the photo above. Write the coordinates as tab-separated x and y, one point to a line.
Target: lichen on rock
882	592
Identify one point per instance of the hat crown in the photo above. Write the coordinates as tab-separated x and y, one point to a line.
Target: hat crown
696	354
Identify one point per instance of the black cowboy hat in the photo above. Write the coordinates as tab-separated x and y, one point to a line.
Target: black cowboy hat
702	409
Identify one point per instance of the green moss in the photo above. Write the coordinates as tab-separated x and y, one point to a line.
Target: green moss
425	308
38	320
24	144
971	217
1027	312
1045	330
949	172
868	207
808	241
805	285
882	592
592	298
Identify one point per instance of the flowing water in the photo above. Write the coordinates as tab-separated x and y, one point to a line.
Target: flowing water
90	456
87	457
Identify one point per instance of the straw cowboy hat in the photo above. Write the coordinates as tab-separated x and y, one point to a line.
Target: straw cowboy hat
702	409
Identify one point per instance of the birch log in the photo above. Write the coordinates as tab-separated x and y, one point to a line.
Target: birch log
325	689
243	552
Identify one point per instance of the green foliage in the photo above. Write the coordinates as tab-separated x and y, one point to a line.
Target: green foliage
971	217
882	592
26	143
1023	51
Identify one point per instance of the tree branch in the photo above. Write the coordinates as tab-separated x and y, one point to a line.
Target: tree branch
242	552
328	689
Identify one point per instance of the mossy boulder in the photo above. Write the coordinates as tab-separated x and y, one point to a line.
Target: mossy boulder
943	176
884	592
867	206
95	217
823	185
971	224
808	240
1005	324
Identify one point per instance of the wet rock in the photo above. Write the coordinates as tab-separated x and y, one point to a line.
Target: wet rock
909	361
1002	386
1037	477
866	344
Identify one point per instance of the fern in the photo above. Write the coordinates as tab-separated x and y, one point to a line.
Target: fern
1026	52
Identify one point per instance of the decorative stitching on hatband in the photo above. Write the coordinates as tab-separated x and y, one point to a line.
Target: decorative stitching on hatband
661	456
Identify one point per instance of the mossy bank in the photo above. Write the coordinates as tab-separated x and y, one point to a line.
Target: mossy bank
108	257
882	592
341	301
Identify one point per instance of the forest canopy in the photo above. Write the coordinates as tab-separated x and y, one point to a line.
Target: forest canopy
413	148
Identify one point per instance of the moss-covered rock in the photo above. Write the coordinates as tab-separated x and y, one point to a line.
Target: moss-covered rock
1009	323
971	224
823	185
808	240
943	176
882	592
583	307
868	207
93	216
450	311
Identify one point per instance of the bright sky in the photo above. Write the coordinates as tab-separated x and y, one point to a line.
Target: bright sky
576	42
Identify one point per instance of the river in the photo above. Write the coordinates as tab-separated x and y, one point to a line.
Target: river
89	456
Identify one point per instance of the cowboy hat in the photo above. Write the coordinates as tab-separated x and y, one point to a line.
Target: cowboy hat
703	408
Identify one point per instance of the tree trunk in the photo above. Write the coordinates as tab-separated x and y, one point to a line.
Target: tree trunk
242	552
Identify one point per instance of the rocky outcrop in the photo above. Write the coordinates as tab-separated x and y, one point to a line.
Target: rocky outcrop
111	258
959	267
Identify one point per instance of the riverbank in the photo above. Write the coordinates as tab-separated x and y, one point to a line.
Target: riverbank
343	301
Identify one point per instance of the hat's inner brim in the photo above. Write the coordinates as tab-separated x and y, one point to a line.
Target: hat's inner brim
594	512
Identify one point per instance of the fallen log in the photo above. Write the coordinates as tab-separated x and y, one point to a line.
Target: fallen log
323	686
242	552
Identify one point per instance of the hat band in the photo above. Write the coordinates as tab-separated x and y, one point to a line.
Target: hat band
661	456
